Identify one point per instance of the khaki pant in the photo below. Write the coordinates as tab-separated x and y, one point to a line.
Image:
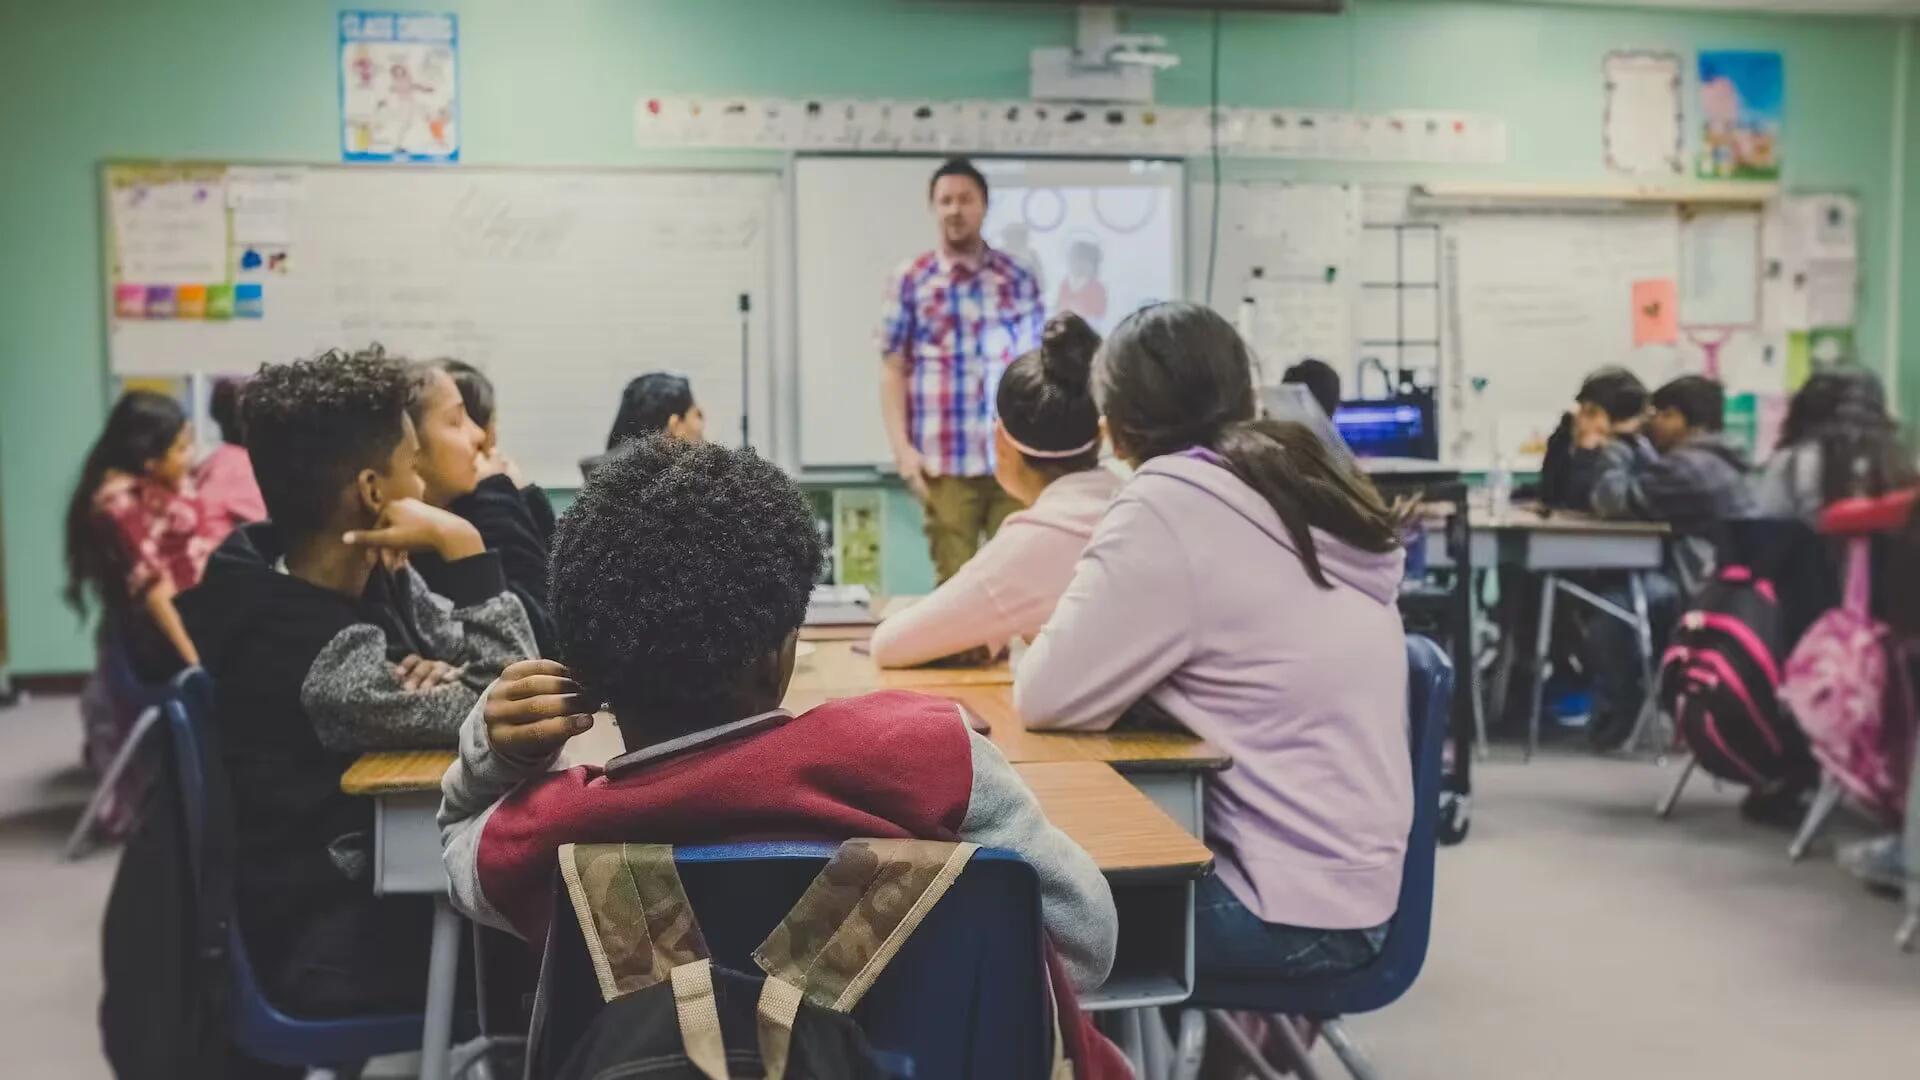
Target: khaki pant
959	510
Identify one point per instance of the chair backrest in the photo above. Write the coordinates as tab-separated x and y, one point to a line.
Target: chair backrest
965	998
259	1028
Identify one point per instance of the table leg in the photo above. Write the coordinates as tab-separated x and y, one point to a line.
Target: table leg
443	968
1542	651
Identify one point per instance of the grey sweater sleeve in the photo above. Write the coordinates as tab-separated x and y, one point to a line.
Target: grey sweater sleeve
473	785
480	625
357	702
1076	903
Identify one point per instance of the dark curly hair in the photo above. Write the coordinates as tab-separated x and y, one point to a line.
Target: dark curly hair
678	567
313	424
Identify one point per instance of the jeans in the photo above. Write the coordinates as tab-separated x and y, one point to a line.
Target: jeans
1231	942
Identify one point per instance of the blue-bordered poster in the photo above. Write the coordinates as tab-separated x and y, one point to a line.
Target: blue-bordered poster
399	86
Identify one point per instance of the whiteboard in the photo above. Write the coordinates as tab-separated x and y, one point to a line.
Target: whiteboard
859	219
560	284
1542	299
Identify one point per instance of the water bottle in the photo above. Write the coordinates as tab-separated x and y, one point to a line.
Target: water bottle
1500	486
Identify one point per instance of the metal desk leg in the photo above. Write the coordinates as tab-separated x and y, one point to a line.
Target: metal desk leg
1542	651
443	967
1908	936
1643	636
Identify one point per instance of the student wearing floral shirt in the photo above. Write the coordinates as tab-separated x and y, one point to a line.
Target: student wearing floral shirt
136	537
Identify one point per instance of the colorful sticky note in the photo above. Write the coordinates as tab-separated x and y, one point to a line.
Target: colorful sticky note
130	301
1656	312
190	302
219	301
247	301
159	301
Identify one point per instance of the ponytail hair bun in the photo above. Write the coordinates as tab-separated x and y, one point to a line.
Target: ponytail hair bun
1067	345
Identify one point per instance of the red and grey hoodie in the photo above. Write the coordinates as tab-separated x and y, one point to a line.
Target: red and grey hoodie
888	764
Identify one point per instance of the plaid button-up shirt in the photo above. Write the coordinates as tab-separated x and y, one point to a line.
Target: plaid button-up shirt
958	324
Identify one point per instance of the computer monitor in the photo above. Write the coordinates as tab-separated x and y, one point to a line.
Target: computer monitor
1390	427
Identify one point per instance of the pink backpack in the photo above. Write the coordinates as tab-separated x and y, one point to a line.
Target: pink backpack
1856	707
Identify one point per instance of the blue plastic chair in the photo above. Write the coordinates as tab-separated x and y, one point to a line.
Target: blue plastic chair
260	1030
1381	983
965	998
123	686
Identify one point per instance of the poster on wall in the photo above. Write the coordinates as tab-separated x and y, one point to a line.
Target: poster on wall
1741	105
1641	134
399	86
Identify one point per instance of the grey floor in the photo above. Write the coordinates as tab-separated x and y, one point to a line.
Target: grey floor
1575	936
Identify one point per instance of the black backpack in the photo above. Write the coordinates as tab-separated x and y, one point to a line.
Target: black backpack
1720	680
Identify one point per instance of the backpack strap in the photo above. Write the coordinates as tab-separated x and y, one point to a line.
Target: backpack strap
633	913
855	916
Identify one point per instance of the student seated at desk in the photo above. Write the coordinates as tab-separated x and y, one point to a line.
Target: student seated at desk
1612	400
477	393
680	580
136	536
1837	441
658	403
1245	584
323	644
1693	480
1047	456
458	473
228	493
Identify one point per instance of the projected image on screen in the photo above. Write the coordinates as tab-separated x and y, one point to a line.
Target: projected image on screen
1099	252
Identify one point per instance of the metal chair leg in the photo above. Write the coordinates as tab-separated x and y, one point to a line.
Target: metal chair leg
78	842
1348	1051
1665	809
1816	818
1908	936
1251	1055
1191	1049
1542	646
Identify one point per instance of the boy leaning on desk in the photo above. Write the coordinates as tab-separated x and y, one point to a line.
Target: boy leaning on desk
1625	454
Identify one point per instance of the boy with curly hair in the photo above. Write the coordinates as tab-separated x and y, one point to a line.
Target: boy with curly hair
680	578
323	644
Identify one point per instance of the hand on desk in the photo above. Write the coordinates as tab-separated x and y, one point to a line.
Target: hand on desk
417	672
533	709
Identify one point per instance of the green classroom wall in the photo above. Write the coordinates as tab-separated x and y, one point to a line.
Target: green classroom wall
555	83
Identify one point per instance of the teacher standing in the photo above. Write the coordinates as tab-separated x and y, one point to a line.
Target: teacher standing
955	317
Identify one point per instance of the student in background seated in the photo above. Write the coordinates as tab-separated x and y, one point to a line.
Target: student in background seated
136	536
1610	404
1320	380
1245	585
1047	456
322	644
476	392
680	579
228	492
1696	480
457	475
1837	441
659	403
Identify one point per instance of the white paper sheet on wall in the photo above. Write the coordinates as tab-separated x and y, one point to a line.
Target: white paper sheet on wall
171	233
1294	320
1642	130
1720	268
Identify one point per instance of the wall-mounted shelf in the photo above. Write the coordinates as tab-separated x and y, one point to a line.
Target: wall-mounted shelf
1620	195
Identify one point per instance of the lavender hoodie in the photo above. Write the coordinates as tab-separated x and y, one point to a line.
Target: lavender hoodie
1191	594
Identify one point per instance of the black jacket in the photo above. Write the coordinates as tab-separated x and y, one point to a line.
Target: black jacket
512	524
303	683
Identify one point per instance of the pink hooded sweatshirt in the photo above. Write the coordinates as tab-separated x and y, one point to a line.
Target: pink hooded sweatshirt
1192	594
1009	588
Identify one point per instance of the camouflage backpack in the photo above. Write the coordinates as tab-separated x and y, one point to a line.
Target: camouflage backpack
671	1013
